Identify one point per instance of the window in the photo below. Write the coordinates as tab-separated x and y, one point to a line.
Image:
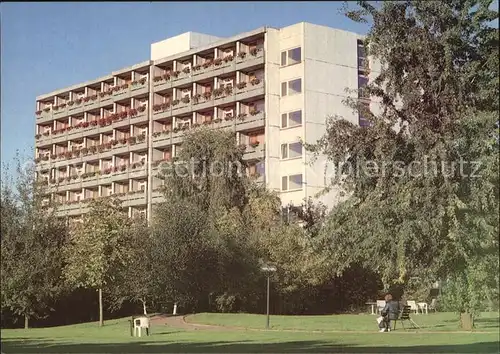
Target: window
291	56
291	87
291	119
363	112
260	167
291	150
293	182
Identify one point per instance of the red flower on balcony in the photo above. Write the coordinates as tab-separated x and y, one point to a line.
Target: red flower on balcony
123	141
141	108
207	64
132	112
86	99
228	58
115	169
228	116
70	103
142	81
242	55
38	113
175	73
69	128
93	122
157	107
196	67
108	145
186	70
102	122
68	154
113	142
185	99
133	83
53	156
123	168
217	61
116	88
107	171
132	140
158	78
76	153
207	95
254	51
84	151
124	86
78	101
102	94
93	149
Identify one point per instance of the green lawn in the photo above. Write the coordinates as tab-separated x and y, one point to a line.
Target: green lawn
115	337
447	321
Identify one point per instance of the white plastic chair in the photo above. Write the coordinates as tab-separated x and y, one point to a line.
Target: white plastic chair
413	306
380	305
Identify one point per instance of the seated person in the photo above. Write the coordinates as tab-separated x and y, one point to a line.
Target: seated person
389	312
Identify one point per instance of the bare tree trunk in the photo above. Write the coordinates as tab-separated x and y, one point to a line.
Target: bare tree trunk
101	320
144	307
466	321
26	322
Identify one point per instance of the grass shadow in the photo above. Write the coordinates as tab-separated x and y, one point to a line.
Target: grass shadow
50	346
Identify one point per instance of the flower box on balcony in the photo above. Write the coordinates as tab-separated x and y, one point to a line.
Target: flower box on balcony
124	86
38	136
217	120
196	125
228	117
46	109
207	122
207	95
123	141
242	147
38	159
255	81
93	123
242	55
175	74
254	112
228	90
86	99
254	144
45	157
254	51
185	100
38	113
156	134
217	61
47	133
241	85
93	97
176	130
218	92
132	140
196	98
175	102
78	101
158	78
197	68
228	58
242	116
141	138
141	109
132	112
207	64
186	70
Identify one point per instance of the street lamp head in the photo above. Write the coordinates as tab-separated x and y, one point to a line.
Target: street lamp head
270	269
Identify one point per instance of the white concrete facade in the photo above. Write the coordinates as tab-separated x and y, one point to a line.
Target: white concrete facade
295	78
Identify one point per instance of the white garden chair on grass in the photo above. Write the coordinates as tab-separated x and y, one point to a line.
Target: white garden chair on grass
413	306
380	305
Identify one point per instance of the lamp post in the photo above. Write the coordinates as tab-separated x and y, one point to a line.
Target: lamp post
268	270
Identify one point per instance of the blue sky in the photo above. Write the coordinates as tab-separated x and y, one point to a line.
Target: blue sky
48	46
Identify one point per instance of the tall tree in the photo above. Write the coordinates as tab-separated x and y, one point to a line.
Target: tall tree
99	247
438	93
31	244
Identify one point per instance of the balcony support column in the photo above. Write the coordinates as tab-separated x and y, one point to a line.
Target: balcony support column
237	48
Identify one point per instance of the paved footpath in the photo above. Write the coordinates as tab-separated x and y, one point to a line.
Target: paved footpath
180	322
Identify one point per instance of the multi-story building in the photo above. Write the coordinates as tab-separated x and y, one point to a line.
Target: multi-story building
273	87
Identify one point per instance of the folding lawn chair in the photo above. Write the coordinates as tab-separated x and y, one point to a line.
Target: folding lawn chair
405	316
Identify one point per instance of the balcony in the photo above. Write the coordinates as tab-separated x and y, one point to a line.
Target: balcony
254	152
213	68
135	88
253	120
219	96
